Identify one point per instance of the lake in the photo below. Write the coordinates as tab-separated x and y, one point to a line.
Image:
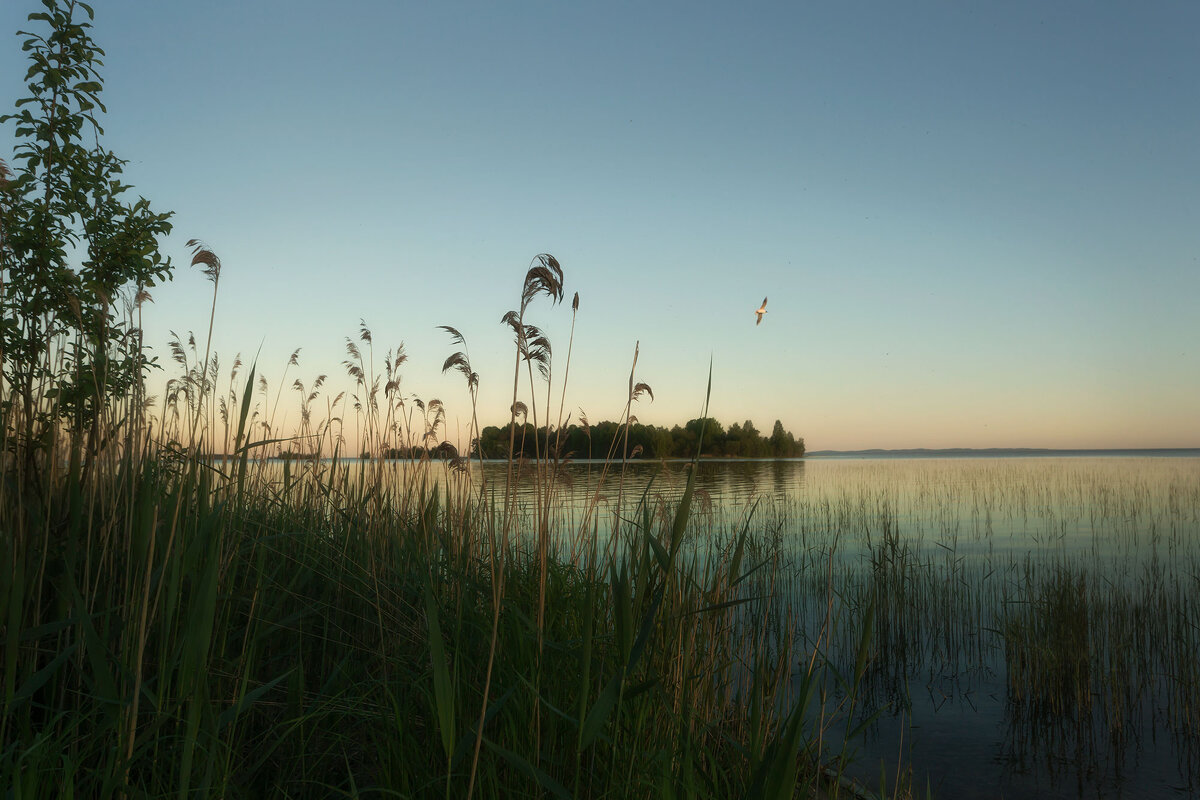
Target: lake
970	558
1036	618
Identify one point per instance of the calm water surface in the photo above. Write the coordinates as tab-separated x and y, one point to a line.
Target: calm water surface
958	548
974	535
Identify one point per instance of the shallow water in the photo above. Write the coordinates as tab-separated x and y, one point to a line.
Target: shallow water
968	539
955	549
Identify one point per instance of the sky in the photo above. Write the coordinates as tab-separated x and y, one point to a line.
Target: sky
977	224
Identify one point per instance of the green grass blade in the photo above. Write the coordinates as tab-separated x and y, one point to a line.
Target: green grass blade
537	775
601	710
443	687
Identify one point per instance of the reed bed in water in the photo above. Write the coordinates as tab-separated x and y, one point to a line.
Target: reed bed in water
1069	587
1064	585
182	617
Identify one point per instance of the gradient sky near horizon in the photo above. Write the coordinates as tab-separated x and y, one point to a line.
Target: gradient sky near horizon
978	225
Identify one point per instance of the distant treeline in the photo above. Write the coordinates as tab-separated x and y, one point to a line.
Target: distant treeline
646	441
597	441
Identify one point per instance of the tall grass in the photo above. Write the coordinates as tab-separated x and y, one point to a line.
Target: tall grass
182	616
1059	593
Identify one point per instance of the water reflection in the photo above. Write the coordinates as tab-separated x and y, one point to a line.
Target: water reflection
982	569
975	563
725	482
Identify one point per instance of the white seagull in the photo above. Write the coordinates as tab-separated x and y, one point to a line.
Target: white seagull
761	310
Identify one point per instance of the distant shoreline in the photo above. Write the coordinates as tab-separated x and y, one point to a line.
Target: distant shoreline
920	452
1004	452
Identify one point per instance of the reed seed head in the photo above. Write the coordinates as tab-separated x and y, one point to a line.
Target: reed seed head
205	257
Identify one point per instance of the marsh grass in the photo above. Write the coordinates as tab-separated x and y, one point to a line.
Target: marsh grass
1057	595
1066	588
1047	642
183	616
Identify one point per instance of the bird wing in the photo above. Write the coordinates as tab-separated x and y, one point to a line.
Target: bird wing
764	305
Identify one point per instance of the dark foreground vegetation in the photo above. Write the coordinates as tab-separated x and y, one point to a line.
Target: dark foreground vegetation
179	623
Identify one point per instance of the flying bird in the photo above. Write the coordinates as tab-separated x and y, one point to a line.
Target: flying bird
761	310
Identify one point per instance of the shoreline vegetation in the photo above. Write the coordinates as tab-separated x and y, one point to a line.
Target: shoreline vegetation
585	442
705	436
994	452
182	615
177	622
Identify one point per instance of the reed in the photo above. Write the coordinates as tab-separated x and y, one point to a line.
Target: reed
188	616
1064	588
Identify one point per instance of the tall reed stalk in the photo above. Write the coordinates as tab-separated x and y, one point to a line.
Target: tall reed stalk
178	621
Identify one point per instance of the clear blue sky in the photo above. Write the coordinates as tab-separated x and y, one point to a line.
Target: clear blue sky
977	226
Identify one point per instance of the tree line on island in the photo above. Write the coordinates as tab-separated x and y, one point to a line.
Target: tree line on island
580	441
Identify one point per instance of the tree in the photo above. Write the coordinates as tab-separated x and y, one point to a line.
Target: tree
751	444
784	444
603	438
779	442
71	246
707	432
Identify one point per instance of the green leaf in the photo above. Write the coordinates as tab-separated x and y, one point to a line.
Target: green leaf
39	678
443	687
864	642
534	773
98	655
231	713
600	712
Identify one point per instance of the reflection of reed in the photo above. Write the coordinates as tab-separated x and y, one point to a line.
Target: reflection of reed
1048	648
1057	595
